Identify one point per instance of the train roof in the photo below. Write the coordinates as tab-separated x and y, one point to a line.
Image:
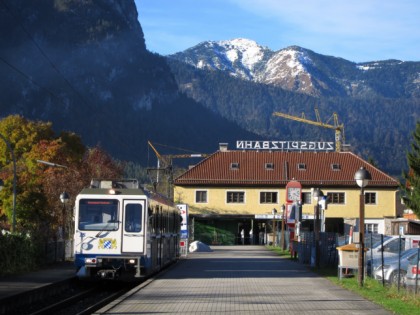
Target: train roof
128	187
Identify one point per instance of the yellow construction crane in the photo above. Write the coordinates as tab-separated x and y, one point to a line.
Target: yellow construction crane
339	128
167	158
165	164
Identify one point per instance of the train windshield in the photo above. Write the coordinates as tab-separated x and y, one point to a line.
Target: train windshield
98	214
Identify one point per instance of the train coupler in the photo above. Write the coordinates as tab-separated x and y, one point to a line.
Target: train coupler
108	274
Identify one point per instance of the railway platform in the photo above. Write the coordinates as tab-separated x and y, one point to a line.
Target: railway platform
15	289
240	280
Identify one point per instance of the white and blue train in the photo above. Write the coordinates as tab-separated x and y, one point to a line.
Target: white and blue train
123	232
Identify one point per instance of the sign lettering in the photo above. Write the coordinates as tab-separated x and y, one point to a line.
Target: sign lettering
285	145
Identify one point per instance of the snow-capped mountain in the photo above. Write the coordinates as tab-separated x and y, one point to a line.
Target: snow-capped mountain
301	70
242	58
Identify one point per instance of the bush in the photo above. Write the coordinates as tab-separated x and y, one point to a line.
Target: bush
213	236
17	254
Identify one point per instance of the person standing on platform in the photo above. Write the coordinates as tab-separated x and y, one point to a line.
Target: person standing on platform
261	238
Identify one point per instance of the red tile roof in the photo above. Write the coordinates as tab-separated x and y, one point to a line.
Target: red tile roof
318	170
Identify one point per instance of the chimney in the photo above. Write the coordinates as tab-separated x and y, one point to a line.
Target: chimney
223	147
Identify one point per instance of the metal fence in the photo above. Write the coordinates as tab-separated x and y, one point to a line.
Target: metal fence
307	249
389	259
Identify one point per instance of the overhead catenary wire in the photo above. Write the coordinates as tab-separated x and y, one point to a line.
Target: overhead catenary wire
18	20
54	67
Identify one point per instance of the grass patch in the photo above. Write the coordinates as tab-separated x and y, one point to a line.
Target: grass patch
401	303
279	251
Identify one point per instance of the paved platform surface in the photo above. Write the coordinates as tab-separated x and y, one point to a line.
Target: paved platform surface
14	285
240	280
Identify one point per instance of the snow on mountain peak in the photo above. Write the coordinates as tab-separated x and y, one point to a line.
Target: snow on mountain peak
247	51
287	68
245	59
285	63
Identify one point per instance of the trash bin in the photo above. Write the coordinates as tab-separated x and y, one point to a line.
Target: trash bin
348	258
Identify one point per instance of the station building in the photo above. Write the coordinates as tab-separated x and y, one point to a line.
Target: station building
237	190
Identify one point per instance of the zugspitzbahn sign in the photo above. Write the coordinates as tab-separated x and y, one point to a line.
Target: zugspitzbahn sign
285	145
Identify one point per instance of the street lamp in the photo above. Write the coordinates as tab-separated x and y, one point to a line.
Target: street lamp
64	198
14	182
317	195
283	215
362	177
274	211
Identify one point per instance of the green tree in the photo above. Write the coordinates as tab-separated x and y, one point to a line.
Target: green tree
21	134
38	207
411	186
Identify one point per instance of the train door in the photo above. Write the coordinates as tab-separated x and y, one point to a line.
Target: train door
133	226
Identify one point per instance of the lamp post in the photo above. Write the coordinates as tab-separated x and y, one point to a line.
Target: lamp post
274	211
14	182
64	198
283	240
362	177
318	194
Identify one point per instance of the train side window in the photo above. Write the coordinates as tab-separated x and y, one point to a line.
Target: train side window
151	226
133	215
157	220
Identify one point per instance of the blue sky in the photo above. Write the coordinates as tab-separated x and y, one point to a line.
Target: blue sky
356	30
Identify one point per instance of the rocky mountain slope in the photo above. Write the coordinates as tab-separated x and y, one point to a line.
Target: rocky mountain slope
84	66
378	102
301	70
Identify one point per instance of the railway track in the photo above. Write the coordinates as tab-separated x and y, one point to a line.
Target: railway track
84	302
67	298
70	297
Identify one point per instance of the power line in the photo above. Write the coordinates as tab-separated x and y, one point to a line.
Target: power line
121	141
42	53
32	81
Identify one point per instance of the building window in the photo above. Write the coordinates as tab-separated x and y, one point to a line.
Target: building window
336	198
201	196
335	167
301	166
268	197
235	197
306	198
234	166
269	166
370	198
371	228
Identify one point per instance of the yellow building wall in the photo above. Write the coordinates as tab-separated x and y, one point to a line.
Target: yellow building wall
216	202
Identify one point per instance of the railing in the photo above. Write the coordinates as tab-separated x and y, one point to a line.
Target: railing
306	249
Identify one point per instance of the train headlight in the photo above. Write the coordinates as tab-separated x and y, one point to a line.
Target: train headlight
90	261
132	261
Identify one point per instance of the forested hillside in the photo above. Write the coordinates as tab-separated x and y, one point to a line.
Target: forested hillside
83	65
379	128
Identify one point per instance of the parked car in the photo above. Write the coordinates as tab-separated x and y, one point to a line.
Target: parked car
413	271
390	247
390	267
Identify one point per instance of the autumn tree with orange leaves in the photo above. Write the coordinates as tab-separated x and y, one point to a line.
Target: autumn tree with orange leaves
38	208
